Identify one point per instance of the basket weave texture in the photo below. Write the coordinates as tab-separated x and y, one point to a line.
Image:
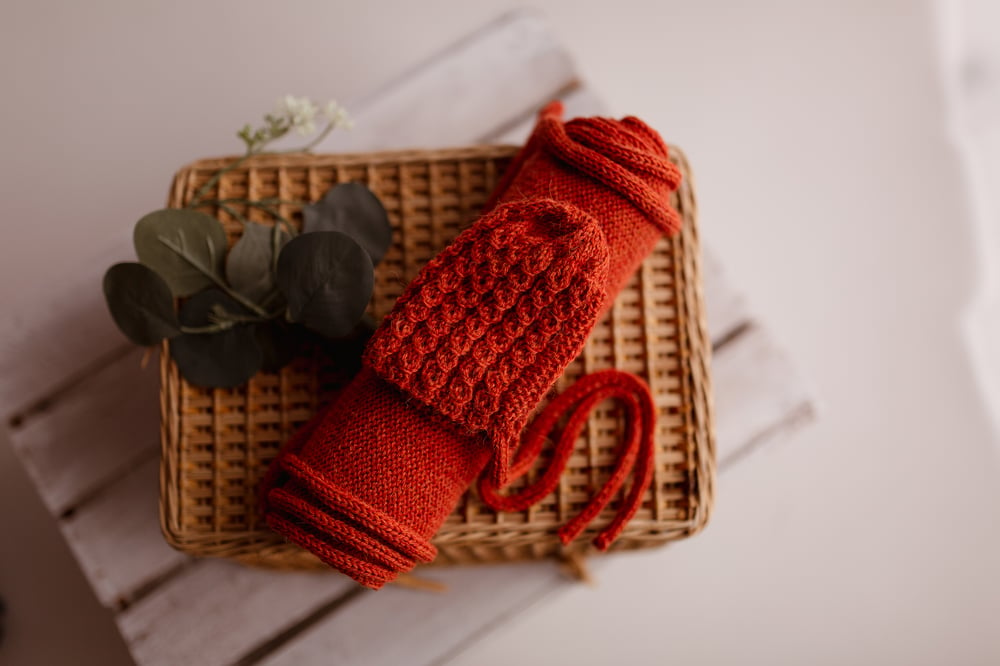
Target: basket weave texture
217	443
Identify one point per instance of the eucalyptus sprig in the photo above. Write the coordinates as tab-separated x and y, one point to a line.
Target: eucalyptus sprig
243	309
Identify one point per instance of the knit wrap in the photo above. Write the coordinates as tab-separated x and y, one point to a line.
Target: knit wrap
458	367
618	171
369	480
490	323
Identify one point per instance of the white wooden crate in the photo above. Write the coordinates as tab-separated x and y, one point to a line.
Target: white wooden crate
83	418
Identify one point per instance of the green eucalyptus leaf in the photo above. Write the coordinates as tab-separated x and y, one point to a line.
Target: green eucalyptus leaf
211	306
352	209
186	247
140	303
278	342
346	352
249	263
217	360
223	359
327	279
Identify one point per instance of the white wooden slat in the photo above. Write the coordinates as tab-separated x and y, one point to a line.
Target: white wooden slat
577	101
59	327
116	536
127	509
215	612
399	626
93	433
441	103
105	537
757	390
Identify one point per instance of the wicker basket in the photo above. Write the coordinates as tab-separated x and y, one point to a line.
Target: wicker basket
217	443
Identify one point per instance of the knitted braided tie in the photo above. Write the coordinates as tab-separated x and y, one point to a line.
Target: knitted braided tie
451	377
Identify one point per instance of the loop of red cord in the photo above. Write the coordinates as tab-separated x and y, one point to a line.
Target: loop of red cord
637	451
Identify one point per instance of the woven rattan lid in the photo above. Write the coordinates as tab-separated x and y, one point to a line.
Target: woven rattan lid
217	443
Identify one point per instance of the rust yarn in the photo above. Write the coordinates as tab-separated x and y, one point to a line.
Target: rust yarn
453	374
619	171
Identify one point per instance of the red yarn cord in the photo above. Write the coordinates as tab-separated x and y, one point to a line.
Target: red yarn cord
635	455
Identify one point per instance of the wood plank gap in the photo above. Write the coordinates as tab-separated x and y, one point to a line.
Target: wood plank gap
731	335
282	638
152	585
19	417
801	414
98	490
513	611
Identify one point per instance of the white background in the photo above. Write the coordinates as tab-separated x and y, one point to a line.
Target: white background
830	187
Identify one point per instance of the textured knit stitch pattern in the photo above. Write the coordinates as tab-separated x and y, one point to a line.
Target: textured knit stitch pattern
525	279
618	171
458	367
371	469
489	325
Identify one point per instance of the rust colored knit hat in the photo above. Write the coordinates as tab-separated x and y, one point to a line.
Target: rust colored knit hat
453	374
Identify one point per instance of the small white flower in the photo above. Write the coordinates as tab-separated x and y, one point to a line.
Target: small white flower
300	113
336	115
305	128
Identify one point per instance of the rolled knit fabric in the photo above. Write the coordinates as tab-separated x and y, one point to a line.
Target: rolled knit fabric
618	171
453	374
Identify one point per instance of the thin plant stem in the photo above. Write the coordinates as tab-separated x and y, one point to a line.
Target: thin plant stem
270	210
316	141
242	219
262	205
258	150
210	328
211	182
203	190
